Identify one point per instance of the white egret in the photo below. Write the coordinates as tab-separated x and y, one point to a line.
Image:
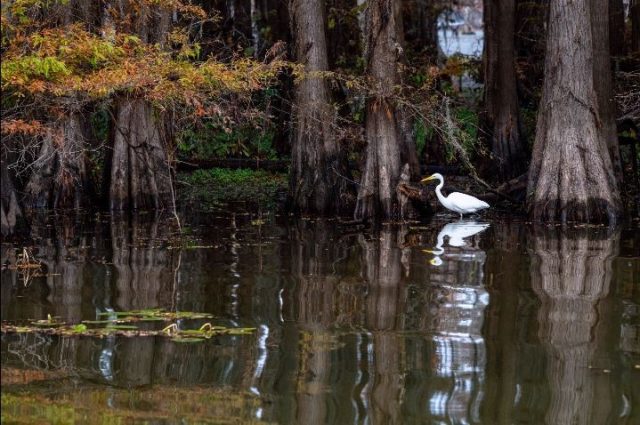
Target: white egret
456	201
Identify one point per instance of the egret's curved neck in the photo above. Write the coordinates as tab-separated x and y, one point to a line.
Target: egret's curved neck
439	194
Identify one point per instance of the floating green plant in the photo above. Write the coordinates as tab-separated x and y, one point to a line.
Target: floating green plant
154	315
79	328
101	328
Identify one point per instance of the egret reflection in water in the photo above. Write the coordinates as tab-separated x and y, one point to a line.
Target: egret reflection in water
456	233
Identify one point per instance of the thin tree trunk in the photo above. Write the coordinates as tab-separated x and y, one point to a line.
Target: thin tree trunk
140	168
500	96
531	30
387	149
428	26
318	167
255	30
571	177
60	178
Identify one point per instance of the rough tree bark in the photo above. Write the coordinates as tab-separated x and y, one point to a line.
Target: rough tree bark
500	93
571	176
10	211
140	168
318	164
60	176
387	149
603	83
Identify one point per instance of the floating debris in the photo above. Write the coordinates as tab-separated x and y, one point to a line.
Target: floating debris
26	260
27	266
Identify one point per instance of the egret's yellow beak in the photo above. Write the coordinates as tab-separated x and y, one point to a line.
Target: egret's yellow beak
426	179
428	251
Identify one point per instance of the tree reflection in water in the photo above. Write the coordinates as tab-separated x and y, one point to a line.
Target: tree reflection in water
571	273
144	266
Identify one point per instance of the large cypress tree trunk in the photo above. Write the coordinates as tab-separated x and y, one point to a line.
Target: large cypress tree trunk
140	167
60	177
140	171
317	161
387	149
500	94
571	176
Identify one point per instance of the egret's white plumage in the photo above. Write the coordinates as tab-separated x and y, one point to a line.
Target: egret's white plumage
456	201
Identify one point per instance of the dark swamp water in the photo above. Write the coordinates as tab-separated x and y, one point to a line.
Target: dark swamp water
500	323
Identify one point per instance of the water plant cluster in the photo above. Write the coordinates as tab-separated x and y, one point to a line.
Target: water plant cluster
132	323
